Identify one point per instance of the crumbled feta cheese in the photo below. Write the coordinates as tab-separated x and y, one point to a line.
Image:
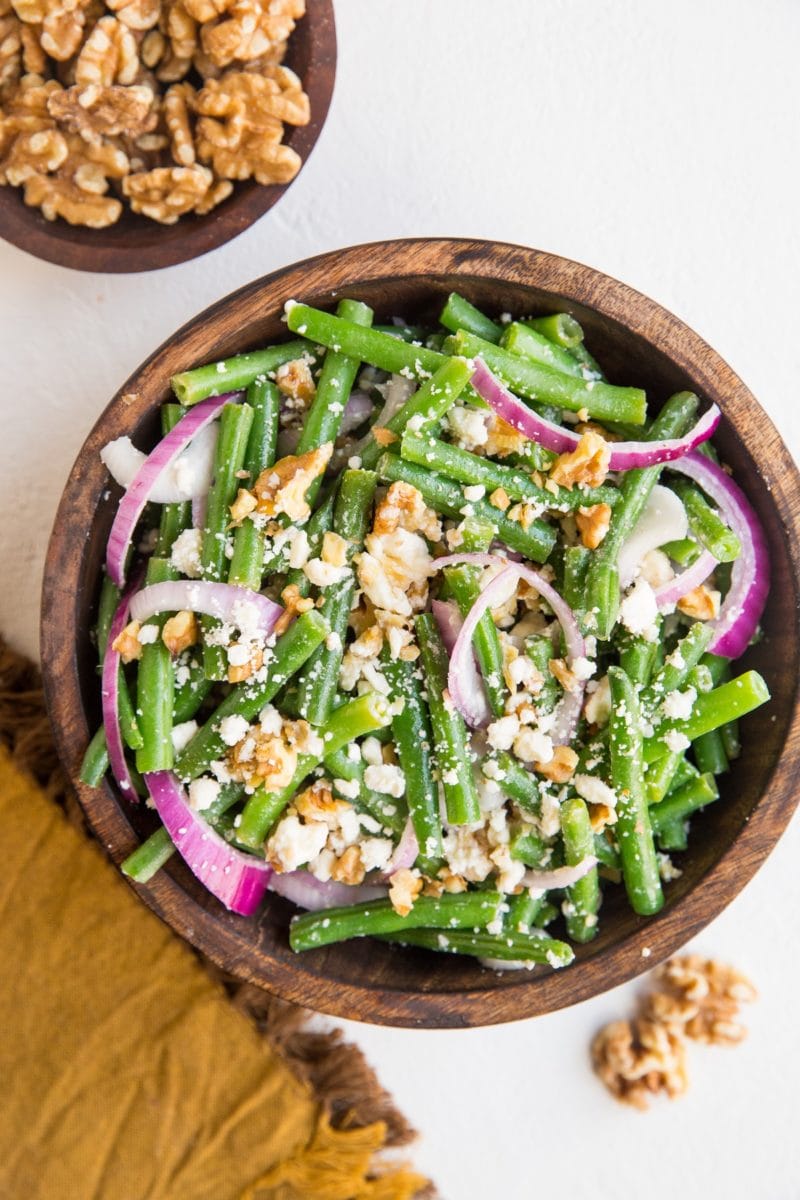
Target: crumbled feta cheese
294	843
386	778
270	719
238	654
531	745
638	611
203	792
678	706
468	426
667	869
372	751
501	733
475	491
219	769
182	735
466	854
594	791
232	729
676	741
299	553
185	553
583	668
393	570
148	635
323	574
375	853
598	705
333	641
347	787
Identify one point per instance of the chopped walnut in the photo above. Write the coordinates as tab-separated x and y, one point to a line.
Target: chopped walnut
166	193
561	766
503	439
10	53
384	436
638	1059
238	672
368	645
261	759
524	514
242	506
701	998
499	498
249	29
393	571
181	631
127	644
404	887
702	603
136	14
282	488
562	673
294	379
294	604
59	24
348	868
593	524
403	508
334	549
239	131
33	154
586	464
178	103
109	55
77	191
96	112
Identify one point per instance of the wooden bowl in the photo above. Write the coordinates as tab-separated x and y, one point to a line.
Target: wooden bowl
638	342
136	243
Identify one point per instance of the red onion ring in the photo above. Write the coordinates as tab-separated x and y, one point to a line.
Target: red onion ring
135	498
624	455
406	852
225	601
750	575
238	880
306	891
448	618
670	593
109	691
561	877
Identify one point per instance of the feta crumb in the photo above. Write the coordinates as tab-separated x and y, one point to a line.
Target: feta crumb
500	734
375	853
293	843
531	745
639	610
594	791
386	778
475	491
182	735
676	741
238	655
347	787
232	729
203	792
323	574
678	706
185	553
270	719
372	751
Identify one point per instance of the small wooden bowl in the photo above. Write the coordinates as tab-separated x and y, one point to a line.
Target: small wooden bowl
136	243
638	342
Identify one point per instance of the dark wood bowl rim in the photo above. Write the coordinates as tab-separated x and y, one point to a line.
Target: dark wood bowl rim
135	243
221	936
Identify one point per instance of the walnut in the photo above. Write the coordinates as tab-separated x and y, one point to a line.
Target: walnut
294	379
242	506
404	887
499	498
127	644
96	112
249	29
524	514
178	103
503	439
77	192
593	524
701	999
32	154
59	24
702	603
180	632
368	645
34	58
206	10
153	48
587	463
349	868
294	604
165	193
10	53
318	803
562	673
261	759
238	131
383	436
561	766
136	14
109	55
238	672
403	508
282	488
639	1059
334	549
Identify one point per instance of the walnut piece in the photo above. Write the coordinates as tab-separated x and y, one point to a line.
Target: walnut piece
294	379
403	508
560	670
638	1059
136	14
701	999
503	439
165	193
180	632
348	868
59	24
96	112
404	887
263	759
178	103
561	766
240	129
593	524
109	55
77	191
127	644
586	464
10	54
282	488
294	604
702	603
248	29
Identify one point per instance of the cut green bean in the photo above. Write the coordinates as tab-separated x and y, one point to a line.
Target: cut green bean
583	897
530	849
539	649
576	565
637	656
684	551
340	766
450	741
430	402
728	702
706	523
633	831
510	946
559	328
469	910
521	785
381	350
155	683
521	338
458	313
235	374
95	760
247	564
682	803
523	910
447	498
464	584
678	666
109	599
148	859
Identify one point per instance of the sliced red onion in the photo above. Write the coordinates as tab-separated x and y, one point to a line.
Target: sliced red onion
199	506
109	691
358	407
188	475
238	880
560	877
624	455
249	611
448	618
306	891
743	605
568	709
670	593
136	497
406	852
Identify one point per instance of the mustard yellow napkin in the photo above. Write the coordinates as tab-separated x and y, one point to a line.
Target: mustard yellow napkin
126	1073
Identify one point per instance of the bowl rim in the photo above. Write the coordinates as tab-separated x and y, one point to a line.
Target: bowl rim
101	252
219	934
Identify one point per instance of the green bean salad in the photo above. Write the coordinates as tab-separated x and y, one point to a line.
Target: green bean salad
430	631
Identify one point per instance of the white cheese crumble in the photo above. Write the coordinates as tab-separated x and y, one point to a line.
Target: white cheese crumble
293	843
678	706
501	733
386	778
148	635
203	792
676	741
232	729
638	611
594	791
182	735
185	553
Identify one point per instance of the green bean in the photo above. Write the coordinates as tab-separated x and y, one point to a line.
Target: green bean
464	584
530	849
109	599
675	672
730	739
234	374
728	702
469	910
174	517
633	831
539	649
583	897
602	585
576	565
95	760
476	535
674	836
682	803
560	328
471	469
605	853
234	430
458	313
450	741
660	775
546	914
535	542
406	333
148	858
521	785
545	385
247	564
381	350
352	720
317	684
340	766
709	753
413	742
247	699
191	693
155	685
706	524
637	656
684	772
430	402
523	909
519	338
684	551
509	946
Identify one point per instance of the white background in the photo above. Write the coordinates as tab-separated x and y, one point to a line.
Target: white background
657	142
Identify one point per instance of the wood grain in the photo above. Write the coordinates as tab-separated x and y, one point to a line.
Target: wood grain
136	243
639	342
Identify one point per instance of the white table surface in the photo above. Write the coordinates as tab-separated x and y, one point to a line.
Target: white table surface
657	143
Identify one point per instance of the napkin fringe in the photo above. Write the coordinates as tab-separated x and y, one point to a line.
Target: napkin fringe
360	1118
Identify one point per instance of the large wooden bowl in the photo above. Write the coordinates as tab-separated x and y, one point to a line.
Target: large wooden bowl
638	342
136	243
